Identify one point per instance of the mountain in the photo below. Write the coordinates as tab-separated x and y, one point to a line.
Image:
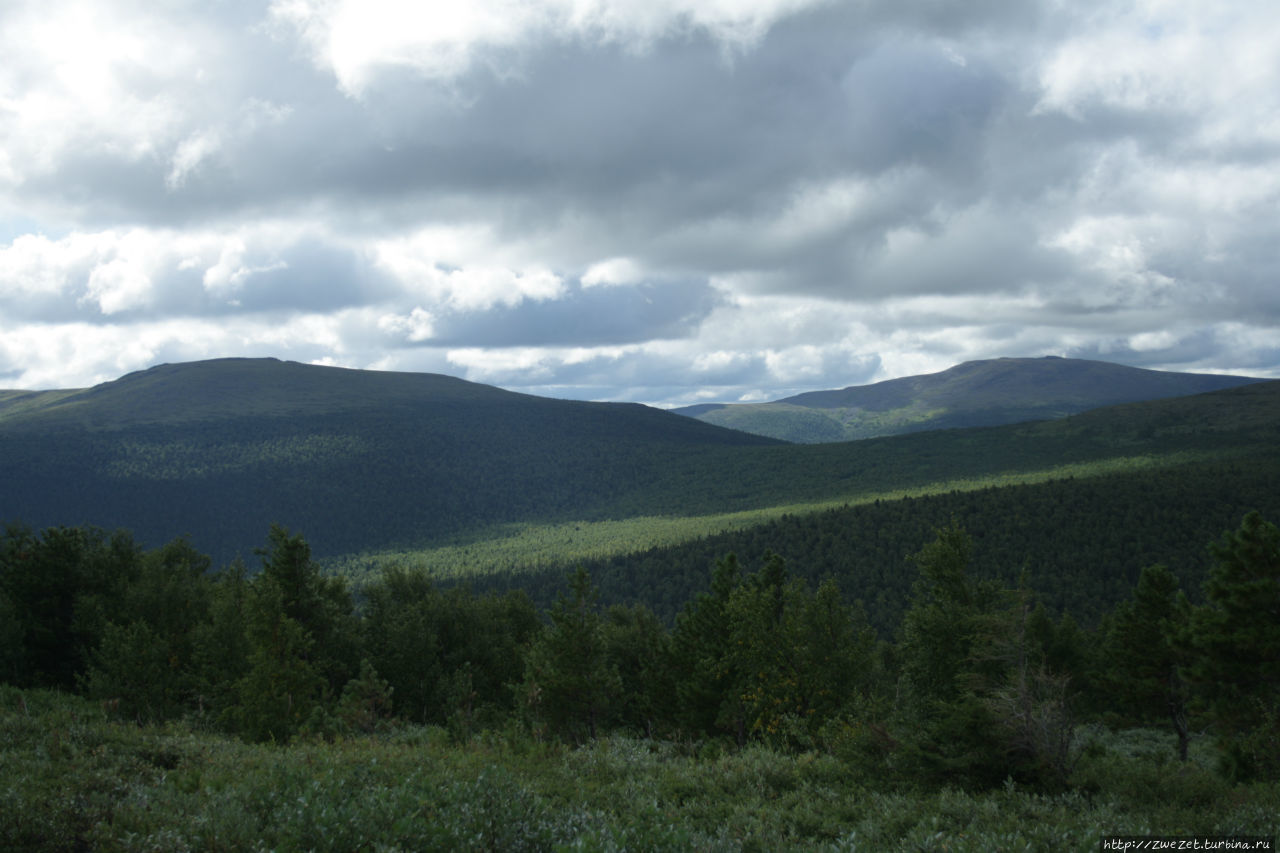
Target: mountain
1111	490
228	388
220	449
359	461
975	393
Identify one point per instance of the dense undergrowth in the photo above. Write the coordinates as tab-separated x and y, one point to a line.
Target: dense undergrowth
72	777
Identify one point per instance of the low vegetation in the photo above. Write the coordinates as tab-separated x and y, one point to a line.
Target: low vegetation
76	778
155	704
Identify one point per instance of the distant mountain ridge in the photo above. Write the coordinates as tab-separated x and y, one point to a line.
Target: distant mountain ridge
988	392
223	388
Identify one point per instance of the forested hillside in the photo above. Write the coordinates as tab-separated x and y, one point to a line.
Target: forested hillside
360	457
975	393
1080	542
363	461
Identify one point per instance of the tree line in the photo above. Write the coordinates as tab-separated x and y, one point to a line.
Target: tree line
979	682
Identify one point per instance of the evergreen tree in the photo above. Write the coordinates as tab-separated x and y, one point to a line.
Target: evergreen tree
146	659
570	682
400	628
63	587
760	674
445	652
699	659
1026	701
637	645
321	606
834	647
1237	636
977	700
1147	660
366	700
133	670
220	645
801	656
12	651
938	630
282	687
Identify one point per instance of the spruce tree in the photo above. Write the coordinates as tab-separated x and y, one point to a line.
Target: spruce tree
699	661
1237	636
570	682
1147	668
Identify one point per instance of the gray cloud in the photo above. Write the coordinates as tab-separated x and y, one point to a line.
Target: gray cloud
593	316
798	195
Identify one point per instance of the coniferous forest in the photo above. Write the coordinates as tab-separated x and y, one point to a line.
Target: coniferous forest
153	703
1048	635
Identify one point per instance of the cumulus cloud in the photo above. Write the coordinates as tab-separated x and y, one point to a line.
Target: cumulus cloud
665	201
356	40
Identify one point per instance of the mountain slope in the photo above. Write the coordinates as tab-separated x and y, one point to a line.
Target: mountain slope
220	389
975	393
222	448
360	461
1116	489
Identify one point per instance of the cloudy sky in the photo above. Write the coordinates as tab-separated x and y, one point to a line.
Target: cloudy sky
667	201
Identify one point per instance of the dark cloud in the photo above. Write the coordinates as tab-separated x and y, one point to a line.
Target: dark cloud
591	316
897	184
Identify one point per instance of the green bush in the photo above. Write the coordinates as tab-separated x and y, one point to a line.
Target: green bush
74	777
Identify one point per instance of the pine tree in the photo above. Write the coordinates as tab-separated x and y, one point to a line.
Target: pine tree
400	628
699	659
321	606
1147	662
977	699
637	644
366	700
1237	635
570	682
282	687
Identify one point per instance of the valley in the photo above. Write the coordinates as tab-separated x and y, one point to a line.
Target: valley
232	593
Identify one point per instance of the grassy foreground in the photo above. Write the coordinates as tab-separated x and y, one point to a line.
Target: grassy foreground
73	778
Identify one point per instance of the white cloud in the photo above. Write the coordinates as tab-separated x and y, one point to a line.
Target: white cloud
797	364
424	265
355	39
79	75
35	266
675	199
138	269
188	156
483	364
416	326
1168	56
1148	341
78	355
613	271
227	276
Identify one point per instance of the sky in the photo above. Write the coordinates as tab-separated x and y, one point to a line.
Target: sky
662	201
